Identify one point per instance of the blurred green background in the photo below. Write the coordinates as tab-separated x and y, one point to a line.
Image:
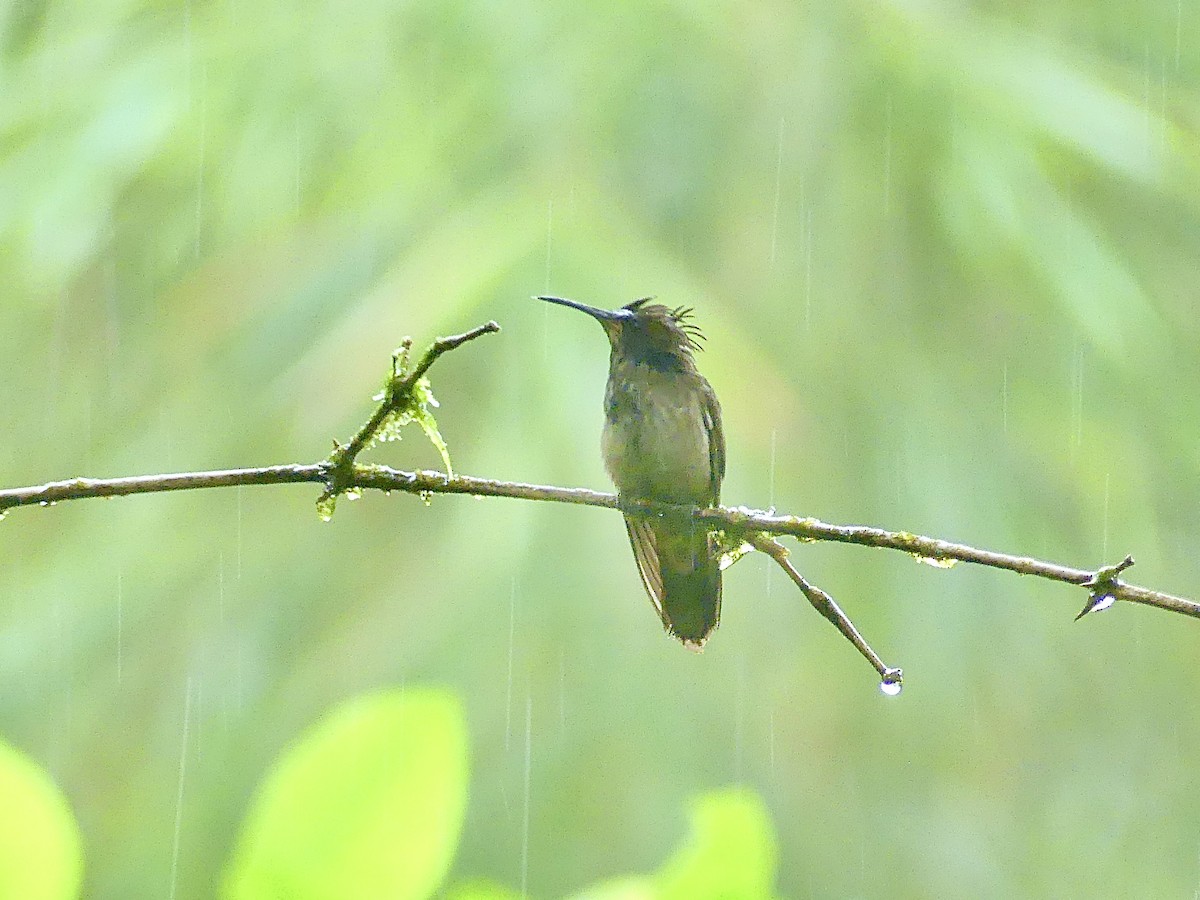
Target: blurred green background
945	254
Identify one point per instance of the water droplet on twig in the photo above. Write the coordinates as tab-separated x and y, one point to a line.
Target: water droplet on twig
892	683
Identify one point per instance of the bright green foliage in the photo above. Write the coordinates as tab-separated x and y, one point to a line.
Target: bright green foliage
369	803
731	852
39	840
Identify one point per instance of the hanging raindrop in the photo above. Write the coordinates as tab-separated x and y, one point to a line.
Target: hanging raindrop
1102	603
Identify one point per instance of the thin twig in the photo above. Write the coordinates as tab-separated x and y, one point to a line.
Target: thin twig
827	606
441	345
83	488
401	387
732	519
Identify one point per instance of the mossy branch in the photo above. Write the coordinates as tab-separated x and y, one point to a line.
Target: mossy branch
406	394
406	397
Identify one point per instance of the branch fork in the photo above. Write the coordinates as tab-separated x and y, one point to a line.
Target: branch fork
891	678
405	398
1103	587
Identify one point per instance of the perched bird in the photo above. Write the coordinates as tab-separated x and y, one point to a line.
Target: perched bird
662	441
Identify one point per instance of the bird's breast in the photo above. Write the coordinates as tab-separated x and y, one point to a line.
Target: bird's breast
655	440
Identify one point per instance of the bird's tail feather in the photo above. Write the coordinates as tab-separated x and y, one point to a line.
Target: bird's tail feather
682	574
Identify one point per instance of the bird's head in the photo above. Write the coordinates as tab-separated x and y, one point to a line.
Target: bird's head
647	333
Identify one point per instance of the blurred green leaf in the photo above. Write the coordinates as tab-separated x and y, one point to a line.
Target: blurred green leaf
631	888
482	890
731	852
369	803
39	840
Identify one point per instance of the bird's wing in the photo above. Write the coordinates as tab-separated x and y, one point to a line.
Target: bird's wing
645	551
716	440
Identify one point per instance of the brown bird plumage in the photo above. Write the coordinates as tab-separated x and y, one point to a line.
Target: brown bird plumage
663	441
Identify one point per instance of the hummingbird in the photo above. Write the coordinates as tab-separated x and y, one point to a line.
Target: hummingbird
662	441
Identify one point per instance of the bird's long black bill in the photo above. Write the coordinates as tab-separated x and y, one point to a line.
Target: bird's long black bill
604	315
